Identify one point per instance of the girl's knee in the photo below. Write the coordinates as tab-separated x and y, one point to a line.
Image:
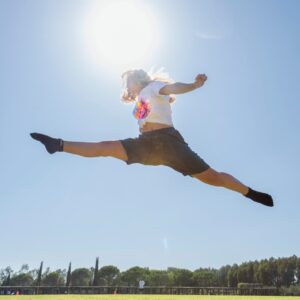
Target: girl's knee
105	148
210	176
113	149
106	143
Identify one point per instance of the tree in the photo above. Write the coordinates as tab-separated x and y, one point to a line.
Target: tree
158	278
255	271
232	276
205	277
264	273
23	279
298	270
68	280
95	279
108	275
291	276
7	283
81	277
287	273
55	278
183	277
281	272
24	269
242	273
223	276
39	277
5	275
273	270
132	276
250	271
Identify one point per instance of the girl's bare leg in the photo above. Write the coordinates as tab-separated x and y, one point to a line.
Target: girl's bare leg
222	179
106	148
225	180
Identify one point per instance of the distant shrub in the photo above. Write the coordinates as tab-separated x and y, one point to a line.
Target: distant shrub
293	290
245	285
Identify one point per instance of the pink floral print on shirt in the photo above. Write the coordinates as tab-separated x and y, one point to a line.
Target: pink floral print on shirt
141	109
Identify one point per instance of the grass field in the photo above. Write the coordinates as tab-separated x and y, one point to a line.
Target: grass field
145	297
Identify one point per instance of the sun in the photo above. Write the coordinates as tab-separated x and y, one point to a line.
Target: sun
120	32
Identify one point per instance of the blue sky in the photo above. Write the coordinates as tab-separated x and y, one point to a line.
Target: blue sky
244	121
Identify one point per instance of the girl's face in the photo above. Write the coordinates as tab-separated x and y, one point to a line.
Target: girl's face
134	88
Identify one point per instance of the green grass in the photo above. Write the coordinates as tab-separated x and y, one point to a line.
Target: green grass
144	297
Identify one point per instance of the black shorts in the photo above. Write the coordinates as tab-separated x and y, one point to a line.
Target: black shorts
164	147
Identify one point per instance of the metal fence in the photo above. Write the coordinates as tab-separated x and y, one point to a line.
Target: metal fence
35	290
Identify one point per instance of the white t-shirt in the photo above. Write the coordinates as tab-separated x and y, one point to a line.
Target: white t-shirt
152	106
141	284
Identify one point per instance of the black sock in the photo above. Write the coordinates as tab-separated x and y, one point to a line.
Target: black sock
259	197
52	145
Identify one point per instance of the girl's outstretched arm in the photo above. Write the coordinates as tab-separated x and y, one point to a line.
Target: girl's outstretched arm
181	88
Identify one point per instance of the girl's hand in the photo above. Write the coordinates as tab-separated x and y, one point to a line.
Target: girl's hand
199	80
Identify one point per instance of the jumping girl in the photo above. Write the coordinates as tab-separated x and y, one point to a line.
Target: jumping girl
159	143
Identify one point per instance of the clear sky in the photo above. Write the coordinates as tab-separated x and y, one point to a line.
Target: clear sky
58	76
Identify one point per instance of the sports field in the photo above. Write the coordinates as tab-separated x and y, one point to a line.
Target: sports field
146	297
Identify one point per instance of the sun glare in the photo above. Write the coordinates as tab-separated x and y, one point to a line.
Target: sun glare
120	32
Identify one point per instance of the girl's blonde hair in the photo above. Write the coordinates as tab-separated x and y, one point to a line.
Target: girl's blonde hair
143	78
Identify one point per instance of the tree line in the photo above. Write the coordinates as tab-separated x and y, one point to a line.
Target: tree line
280	272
